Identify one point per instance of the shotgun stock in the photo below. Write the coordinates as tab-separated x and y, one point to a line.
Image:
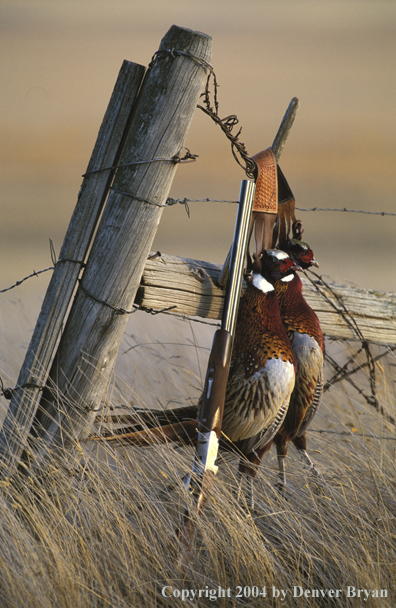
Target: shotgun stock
204	468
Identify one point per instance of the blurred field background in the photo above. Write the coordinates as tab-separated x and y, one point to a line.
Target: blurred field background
59	64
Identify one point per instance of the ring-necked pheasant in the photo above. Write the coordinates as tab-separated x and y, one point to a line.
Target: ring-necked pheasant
261	378
303	328
262	369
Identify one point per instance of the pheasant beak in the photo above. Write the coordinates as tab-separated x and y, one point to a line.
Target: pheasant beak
309	260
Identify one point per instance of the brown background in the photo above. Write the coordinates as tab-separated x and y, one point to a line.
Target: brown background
60	60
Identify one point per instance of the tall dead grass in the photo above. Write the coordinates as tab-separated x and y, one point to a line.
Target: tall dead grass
96	528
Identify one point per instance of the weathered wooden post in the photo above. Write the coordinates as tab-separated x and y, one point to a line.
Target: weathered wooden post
89	344
91	199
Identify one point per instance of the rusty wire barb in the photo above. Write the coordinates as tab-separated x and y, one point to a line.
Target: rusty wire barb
177	158
226	125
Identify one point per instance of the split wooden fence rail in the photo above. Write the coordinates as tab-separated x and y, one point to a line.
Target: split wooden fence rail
191	288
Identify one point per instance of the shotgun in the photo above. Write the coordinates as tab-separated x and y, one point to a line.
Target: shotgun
204	469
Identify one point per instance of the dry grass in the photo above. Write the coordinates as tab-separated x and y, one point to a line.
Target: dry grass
97	528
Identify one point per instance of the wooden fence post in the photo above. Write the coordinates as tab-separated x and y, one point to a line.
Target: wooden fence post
89	344
91	199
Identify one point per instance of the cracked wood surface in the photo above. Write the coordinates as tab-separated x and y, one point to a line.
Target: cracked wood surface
192	286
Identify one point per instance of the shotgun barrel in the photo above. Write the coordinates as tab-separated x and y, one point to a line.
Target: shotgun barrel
238	253
212	407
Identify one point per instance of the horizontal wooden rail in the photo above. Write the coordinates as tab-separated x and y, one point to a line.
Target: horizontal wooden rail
191	286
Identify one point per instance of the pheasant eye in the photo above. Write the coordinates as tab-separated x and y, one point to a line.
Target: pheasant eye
284	267
306	257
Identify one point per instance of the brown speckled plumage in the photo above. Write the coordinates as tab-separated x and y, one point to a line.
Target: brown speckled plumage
262	370
296	314
260	334
302	325
303	328
261	373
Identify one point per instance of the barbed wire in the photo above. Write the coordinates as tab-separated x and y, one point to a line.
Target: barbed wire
176	159
345	210
351	434
227	124
241	156
185	201
34	274
8	392
176	315
131	416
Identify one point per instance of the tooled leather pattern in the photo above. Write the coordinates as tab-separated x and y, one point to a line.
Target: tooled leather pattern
266	196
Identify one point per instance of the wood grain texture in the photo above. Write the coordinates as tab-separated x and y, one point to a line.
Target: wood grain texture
78	237
283	132
192	286
90	342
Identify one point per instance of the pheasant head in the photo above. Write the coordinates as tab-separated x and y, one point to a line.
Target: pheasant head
301	253
276	265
